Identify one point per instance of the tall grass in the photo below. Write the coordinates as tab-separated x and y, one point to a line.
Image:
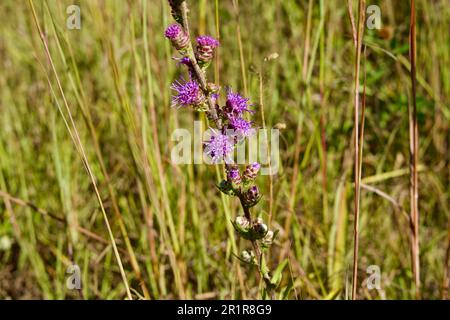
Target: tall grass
140	227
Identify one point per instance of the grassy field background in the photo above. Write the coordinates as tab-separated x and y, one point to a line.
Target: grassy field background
171	225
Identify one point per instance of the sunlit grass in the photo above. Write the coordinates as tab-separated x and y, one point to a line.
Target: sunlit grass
170	223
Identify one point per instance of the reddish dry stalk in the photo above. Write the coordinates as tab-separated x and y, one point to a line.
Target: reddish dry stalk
360	31
413	149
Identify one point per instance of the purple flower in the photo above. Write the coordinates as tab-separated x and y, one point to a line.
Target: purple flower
205	49
177	36
236	104
241	127
188	93
219	147
186	61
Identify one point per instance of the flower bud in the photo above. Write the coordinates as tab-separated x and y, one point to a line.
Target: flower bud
248	256
242	226
177	36
260	228
233	174
251	171
213	88
226	187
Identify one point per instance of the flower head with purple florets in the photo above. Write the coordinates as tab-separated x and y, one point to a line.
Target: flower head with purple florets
207	41
187	93
219	147
177	36
205	49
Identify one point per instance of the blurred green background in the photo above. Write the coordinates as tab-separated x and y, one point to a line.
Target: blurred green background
171	225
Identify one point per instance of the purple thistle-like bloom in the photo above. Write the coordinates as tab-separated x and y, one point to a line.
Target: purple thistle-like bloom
219	147
236	104
209	41
241	127
233	174
205	48
177	36
188	93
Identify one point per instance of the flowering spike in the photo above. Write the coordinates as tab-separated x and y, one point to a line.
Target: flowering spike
231	126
